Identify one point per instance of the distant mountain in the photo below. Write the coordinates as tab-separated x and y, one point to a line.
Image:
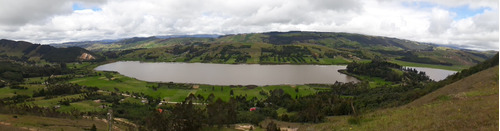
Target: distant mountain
279	47
136	42
26	51
189	36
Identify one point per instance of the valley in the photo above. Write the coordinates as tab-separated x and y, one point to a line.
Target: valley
41	82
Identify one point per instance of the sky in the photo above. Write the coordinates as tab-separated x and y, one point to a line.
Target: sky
471	24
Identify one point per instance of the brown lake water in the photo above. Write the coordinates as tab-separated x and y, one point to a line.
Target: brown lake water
241	74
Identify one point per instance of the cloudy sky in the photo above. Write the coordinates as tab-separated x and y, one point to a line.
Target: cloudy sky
471	24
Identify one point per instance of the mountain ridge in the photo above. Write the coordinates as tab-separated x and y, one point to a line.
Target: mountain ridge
26	51
279	48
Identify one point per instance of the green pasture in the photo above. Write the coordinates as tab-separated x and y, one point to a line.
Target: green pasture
122	83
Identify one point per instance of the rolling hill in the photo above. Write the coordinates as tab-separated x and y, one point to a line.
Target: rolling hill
293	47
25	51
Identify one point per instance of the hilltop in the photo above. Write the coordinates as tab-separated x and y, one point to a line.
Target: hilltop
295	47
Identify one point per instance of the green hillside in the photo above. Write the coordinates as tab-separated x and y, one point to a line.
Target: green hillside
467	100
294	47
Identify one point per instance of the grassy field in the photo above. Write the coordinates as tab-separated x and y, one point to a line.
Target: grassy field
40	101
223	93
8	92
24	122
127	84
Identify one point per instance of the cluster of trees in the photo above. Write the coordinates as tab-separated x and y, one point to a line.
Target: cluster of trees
283	38
14	72
225	53
63	89
386	70
285	53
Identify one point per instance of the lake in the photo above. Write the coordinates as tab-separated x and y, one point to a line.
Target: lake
227	74
435	74
241	74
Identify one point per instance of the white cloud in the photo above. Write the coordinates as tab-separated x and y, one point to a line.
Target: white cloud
440	21
57	22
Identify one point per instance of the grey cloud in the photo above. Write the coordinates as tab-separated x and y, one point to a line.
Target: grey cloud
19	12
339	5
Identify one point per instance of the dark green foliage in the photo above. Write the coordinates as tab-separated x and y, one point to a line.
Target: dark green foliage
2	84
220	112
14	99
387	71
13	76
62	89
14	72
183	117
69	54
376	68
253	117
108	75
131	111
279	98
64	102
285	53
93	128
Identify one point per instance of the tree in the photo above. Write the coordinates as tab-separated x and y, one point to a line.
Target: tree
231	93
210	97
63	65
108	75
186	117
220	112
